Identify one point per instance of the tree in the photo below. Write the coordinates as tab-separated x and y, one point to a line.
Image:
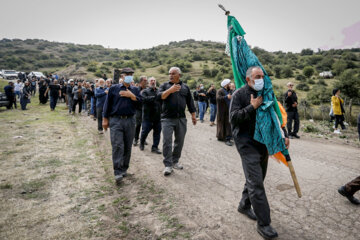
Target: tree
308	71
339	67
349	83
277	71
287	72
306	51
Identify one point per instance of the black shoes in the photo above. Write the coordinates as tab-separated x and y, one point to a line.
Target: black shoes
229	143
118	179
294	135
141	146
136	142
267	232
248	212
350	197
156	150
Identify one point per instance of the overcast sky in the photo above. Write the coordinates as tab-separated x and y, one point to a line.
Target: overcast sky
285	25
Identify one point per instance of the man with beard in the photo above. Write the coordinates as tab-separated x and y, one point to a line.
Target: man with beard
79	96
118	114
138	116
223	98
25	96
100	94
175	96
151	116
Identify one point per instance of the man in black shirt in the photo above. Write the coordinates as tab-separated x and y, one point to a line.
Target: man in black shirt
175	97
70	95
138	116
202	102
118	113
254	155
55	92
211	93
291	103
151	115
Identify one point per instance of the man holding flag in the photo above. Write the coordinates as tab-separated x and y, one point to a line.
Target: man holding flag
254	155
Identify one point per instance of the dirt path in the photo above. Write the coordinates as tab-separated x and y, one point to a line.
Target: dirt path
56	183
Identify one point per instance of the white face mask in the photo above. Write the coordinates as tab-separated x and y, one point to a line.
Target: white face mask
259	84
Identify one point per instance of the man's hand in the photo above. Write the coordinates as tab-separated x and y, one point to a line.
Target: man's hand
294	105
256	102
127	94
289	93
106	91
105	123
229	96
193	118
202	94
287	143
175	88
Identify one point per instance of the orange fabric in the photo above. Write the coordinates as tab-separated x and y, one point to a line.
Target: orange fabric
280	158
283	114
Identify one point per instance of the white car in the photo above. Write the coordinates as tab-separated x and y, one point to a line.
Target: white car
38	75
9	74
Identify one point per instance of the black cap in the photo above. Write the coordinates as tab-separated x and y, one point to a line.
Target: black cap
127	70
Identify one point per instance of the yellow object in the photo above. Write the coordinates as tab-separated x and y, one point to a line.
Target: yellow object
336	105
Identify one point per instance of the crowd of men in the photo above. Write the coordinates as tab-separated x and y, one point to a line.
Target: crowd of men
132	110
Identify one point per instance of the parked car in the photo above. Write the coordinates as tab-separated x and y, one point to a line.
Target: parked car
38	75
3	100
9	74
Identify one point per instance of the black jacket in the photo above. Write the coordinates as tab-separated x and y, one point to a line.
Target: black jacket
202	98
242	113
139	105
174	105
289	101
151	109
212	96
196	95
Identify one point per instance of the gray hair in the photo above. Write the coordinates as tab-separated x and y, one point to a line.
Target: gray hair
152	78
250	70
175	68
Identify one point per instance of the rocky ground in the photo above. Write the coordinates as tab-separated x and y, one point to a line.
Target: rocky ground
56	182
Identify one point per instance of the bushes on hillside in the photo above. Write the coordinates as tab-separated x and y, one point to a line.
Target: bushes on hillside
303	87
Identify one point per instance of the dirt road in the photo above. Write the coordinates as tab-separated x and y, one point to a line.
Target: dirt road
56	183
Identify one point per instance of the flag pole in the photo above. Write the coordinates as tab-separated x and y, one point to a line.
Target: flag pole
294	178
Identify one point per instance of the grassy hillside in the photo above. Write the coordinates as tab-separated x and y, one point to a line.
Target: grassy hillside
201	62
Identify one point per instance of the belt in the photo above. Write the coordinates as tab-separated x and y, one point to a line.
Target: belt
124	117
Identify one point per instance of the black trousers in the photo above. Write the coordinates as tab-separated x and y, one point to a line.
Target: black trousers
99	113
339	119
290	117
254	157
138	120
147	126
77	101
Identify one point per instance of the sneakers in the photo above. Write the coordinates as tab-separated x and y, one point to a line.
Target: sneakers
212	124
201	121
337	131
178	166
168	171
101	132
229	143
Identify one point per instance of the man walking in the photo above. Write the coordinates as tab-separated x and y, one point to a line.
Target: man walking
202	99
211	93
79	95
70	95
100	94
223	97
151	116
196	100
118	114
55	92
254	155
291	103
138	116
10	95
175	97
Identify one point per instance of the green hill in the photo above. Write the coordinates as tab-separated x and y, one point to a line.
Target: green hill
201	62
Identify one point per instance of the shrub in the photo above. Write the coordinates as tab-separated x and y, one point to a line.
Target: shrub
310	128
287	72
311	81
308	71
300	77
303	87
322	82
